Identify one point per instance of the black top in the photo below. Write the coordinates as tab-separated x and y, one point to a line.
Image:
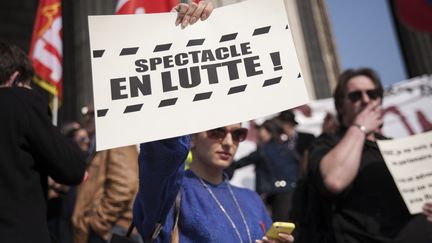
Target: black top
303	142
30	149
371	208
273	162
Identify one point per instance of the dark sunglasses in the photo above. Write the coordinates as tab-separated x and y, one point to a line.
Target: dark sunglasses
238	134
358	95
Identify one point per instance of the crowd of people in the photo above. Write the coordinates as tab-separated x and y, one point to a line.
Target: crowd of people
336	188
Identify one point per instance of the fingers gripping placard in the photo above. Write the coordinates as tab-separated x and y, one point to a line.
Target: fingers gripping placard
210	74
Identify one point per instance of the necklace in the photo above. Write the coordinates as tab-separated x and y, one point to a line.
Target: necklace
225	212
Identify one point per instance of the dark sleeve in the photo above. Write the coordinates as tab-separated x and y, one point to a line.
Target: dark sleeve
252	158
322	145
161	171
59	156
304	142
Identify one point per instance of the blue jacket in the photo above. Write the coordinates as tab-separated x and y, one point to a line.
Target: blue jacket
201	220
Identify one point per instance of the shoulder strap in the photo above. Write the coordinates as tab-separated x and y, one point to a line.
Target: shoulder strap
158	226
175	233
130	229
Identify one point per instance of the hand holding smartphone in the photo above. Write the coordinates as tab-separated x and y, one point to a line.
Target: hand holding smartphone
280	227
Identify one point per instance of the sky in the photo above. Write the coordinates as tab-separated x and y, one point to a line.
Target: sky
365	37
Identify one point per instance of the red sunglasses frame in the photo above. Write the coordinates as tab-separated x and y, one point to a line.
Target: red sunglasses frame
237	134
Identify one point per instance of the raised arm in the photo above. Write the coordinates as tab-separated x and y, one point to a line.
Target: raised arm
340	165
161	170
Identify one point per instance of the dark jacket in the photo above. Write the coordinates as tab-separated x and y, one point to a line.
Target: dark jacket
303	143
31	149
275	162
276	167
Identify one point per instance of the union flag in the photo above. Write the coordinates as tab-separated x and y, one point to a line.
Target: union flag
46	51
144	6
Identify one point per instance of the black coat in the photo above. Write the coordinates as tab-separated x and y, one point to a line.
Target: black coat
274	162
303	143
30	149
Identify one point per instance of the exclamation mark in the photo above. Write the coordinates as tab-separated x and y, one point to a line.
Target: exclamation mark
276	61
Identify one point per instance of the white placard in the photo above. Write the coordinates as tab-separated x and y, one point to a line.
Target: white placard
410	163
153	80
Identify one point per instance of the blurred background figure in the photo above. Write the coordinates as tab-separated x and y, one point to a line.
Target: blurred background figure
81	137
330	124
104	201
276	169
298	142
61	198
87	121
24	69
67	127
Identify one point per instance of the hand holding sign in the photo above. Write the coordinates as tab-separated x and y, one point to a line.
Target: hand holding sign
427	210
189	13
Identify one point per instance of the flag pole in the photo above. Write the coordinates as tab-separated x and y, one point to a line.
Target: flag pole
55	110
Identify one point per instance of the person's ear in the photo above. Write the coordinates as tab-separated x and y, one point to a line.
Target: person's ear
11	79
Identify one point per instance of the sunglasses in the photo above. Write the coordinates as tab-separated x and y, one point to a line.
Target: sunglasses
238	134
357	95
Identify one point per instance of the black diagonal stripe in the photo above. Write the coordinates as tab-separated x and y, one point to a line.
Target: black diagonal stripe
228	37
237	89
102	112
260	31
168	102
163	47
98	53
129	51
133	108
196	42
299	76
272	81
202	96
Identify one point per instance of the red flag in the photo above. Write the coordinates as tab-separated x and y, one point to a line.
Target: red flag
145	6
46	51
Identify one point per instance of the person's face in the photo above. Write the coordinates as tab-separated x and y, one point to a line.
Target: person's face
360	91
216	148
264	136
82	139
88	121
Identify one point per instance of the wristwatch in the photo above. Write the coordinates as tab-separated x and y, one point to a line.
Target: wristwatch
361	127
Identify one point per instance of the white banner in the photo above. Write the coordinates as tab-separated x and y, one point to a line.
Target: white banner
406	109
409	160
153	80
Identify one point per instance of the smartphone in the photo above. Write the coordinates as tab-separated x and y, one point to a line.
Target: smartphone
280	227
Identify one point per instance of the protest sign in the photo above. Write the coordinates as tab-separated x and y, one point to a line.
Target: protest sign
409	161
154	80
